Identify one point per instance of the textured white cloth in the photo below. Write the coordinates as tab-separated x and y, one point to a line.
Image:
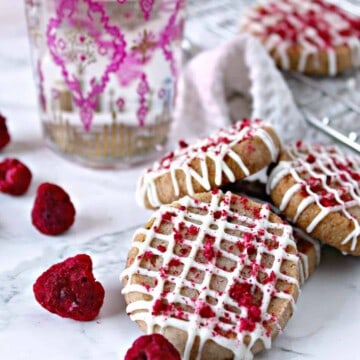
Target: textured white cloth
235	80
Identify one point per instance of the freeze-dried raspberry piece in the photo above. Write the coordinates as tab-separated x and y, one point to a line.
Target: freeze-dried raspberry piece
70	290
4	133
15	177
53	212
152	347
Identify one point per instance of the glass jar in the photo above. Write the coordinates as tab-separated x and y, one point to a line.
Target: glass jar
106	74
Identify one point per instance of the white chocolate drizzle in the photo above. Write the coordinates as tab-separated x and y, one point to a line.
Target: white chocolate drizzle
217	148
326	177
312	25
259	230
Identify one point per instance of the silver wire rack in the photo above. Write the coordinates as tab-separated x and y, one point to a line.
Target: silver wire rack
331	105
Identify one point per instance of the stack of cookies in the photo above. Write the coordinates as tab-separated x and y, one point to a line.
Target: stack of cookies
218	273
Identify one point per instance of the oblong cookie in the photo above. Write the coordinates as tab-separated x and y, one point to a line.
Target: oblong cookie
225	157
217	274
310	36
318	188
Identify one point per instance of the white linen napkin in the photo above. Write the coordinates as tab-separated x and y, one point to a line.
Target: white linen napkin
235	80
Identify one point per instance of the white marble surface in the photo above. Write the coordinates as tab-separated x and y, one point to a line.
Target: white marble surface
327	320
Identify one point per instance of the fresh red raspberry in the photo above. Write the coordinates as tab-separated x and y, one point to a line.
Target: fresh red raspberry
53	212
4	133
70	290
15	177
152	347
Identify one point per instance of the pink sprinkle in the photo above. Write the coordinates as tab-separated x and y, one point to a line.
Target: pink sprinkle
167	216
192	230
183	144
206	312
209	252
310	159
161	248
178	237
248	237
271	278
148	255
174	262
160	308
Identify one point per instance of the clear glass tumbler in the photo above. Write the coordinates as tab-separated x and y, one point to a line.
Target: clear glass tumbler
106	74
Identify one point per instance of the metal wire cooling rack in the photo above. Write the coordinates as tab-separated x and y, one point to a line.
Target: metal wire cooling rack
330	104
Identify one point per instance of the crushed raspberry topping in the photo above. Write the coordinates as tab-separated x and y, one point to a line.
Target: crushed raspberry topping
160	308
224	138
330	179
242	294
192	230
183	144
178	237
166	160
174	262
161	248
209	252
299	144
340	173
205	311
148	255
307	21
310	158
167	216
270	278
253	317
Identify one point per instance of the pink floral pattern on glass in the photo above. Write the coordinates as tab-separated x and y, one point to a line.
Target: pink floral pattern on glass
143	90
81	35
146	7
106	37
172	31
120	104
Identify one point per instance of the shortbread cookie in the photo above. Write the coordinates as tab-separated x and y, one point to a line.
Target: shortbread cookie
216	274
310	36
318	188
229	155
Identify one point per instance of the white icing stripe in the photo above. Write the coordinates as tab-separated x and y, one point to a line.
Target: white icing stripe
288	196
220	229
310	25
216	148
328	178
